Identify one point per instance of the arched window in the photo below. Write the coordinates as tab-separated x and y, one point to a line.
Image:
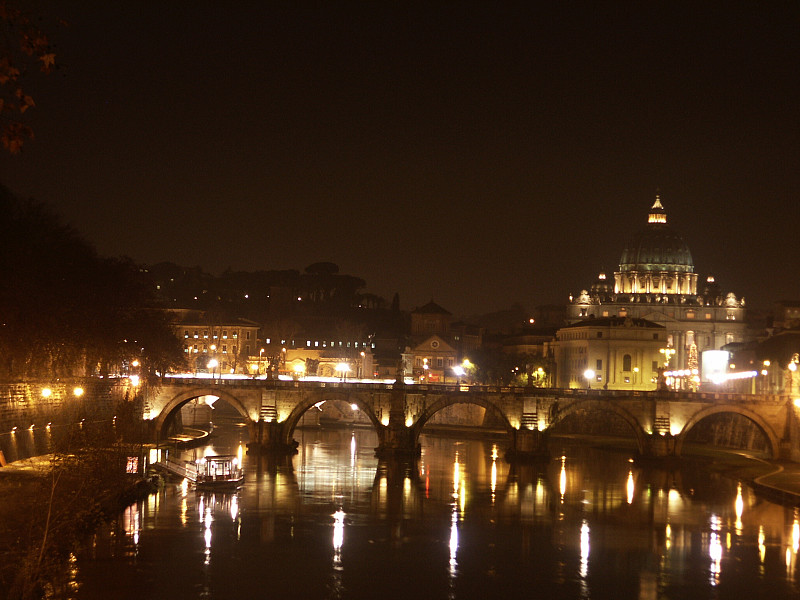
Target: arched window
626	362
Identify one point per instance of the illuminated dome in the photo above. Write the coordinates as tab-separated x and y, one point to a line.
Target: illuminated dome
657	247
656	261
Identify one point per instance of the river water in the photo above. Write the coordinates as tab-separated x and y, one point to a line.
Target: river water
587	524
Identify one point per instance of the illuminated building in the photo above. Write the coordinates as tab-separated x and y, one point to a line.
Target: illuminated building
656	282
205	337
619	352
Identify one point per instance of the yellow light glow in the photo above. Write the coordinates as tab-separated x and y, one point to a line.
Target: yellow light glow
630	487
739	507
78	391
456	476
385	421
134	379
47	392
562	479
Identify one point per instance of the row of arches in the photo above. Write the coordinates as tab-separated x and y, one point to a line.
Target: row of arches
717	424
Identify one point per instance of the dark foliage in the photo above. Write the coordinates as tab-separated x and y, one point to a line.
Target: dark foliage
67	311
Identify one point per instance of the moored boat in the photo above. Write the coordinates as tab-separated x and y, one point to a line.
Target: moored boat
219	472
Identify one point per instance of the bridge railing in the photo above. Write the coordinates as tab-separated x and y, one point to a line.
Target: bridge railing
667	395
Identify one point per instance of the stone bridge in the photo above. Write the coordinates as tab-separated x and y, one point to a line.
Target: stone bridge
659	420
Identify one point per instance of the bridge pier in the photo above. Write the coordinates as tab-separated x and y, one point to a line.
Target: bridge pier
270	438
656	445
395	440
527	445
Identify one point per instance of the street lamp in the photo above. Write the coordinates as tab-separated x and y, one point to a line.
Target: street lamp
213	364
633	379
299	370
344	369
459	371
260	355
589	375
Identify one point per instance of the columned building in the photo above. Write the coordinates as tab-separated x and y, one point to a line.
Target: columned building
656	282
612	353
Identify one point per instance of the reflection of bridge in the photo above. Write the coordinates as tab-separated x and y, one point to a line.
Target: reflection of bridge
660	420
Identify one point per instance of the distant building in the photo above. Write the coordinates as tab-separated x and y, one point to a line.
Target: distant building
436	345
208	337
615	353
786	314
656	282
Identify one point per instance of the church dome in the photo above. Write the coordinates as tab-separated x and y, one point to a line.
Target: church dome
657	247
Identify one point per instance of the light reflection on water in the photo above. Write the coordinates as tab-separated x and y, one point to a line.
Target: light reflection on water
461	523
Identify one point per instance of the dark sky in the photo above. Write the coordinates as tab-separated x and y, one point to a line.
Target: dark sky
477	155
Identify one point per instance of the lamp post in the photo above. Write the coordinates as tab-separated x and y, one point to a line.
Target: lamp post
589	375
260	356
343	368
212	364
458	371
633	379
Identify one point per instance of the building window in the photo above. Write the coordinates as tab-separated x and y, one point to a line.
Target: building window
690	314
655	336
605	313
599	366
205	333
708	316
623	312
195	334
654	366
599	334
186	333
247	336
225	334
440	362
224	348
626	362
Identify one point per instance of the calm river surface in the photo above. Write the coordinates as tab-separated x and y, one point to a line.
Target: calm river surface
587	524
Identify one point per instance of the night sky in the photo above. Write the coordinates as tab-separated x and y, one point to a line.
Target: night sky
476	155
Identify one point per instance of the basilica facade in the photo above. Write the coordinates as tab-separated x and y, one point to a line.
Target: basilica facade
655	283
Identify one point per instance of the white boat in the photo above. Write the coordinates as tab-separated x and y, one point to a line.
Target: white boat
219	472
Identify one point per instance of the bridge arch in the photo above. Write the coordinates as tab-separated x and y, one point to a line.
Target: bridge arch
445	401
772	437
363	403
604	405
184	396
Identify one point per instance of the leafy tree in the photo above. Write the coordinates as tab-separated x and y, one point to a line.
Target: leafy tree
67	311
22	45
